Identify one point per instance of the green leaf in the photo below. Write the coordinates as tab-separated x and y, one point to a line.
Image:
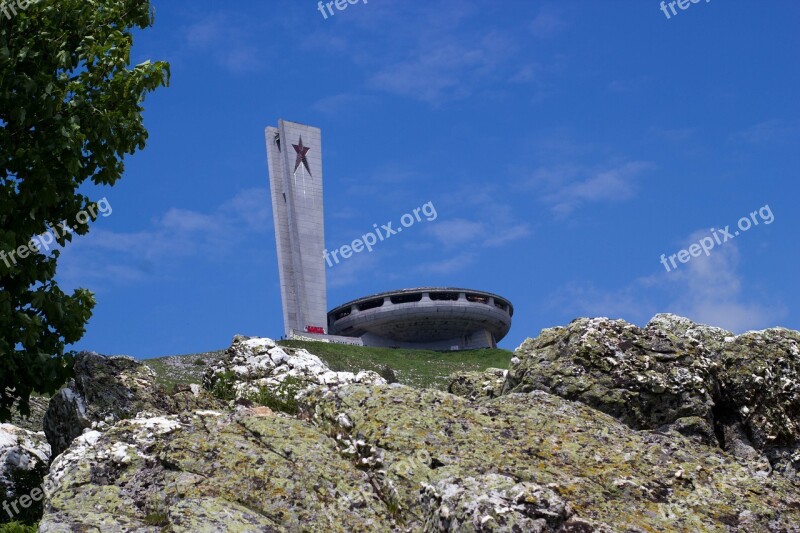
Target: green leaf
70	109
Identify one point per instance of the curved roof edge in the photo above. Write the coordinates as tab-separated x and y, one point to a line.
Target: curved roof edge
420	289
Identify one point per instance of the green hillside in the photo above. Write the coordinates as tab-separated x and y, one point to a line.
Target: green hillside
417	368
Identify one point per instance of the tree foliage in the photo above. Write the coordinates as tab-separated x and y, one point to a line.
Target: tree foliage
70	110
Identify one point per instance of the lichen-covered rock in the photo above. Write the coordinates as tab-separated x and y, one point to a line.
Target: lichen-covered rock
741	393
34	420
24	456
759	378
491	502
648	378
437	455
475	385
106	390
251	365
210	471
644	446
712	338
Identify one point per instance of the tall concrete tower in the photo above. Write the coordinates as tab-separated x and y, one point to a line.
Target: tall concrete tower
294	156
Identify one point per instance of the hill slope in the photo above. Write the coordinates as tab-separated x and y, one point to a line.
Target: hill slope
416	368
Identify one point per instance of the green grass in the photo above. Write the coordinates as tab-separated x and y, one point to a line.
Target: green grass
223	386
417	368
156	519
182	369
17	527
282	398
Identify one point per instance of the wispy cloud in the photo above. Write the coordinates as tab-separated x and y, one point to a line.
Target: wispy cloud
481	216
110	257
439	51
225	40
449	68
449	265
458	232
353	271
548	22
765	132
470	218
393	178
566	188
709	290
508	235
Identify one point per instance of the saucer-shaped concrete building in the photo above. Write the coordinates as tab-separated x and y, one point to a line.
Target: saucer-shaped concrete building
433	318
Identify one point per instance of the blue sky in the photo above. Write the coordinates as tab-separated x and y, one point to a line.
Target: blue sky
565	145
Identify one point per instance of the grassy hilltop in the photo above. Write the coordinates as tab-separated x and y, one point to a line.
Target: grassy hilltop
417	368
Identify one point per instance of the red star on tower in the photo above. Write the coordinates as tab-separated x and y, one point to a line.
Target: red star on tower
301	155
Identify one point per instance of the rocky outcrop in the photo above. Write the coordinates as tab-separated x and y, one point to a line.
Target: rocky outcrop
389	458
32	422
476	385
209	471
741	393
599	426
493	502
759	400
647	378
253	366
24	456
106	390
608	475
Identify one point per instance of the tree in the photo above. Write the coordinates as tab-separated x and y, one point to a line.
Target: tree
70	110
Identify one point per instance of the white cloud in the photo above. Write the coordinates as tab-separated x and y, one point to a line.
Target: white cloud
458	232
548	22
352	271
226	41
126	257
769	131
436	51
508	235
708	290
449	265
446	69
566	188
